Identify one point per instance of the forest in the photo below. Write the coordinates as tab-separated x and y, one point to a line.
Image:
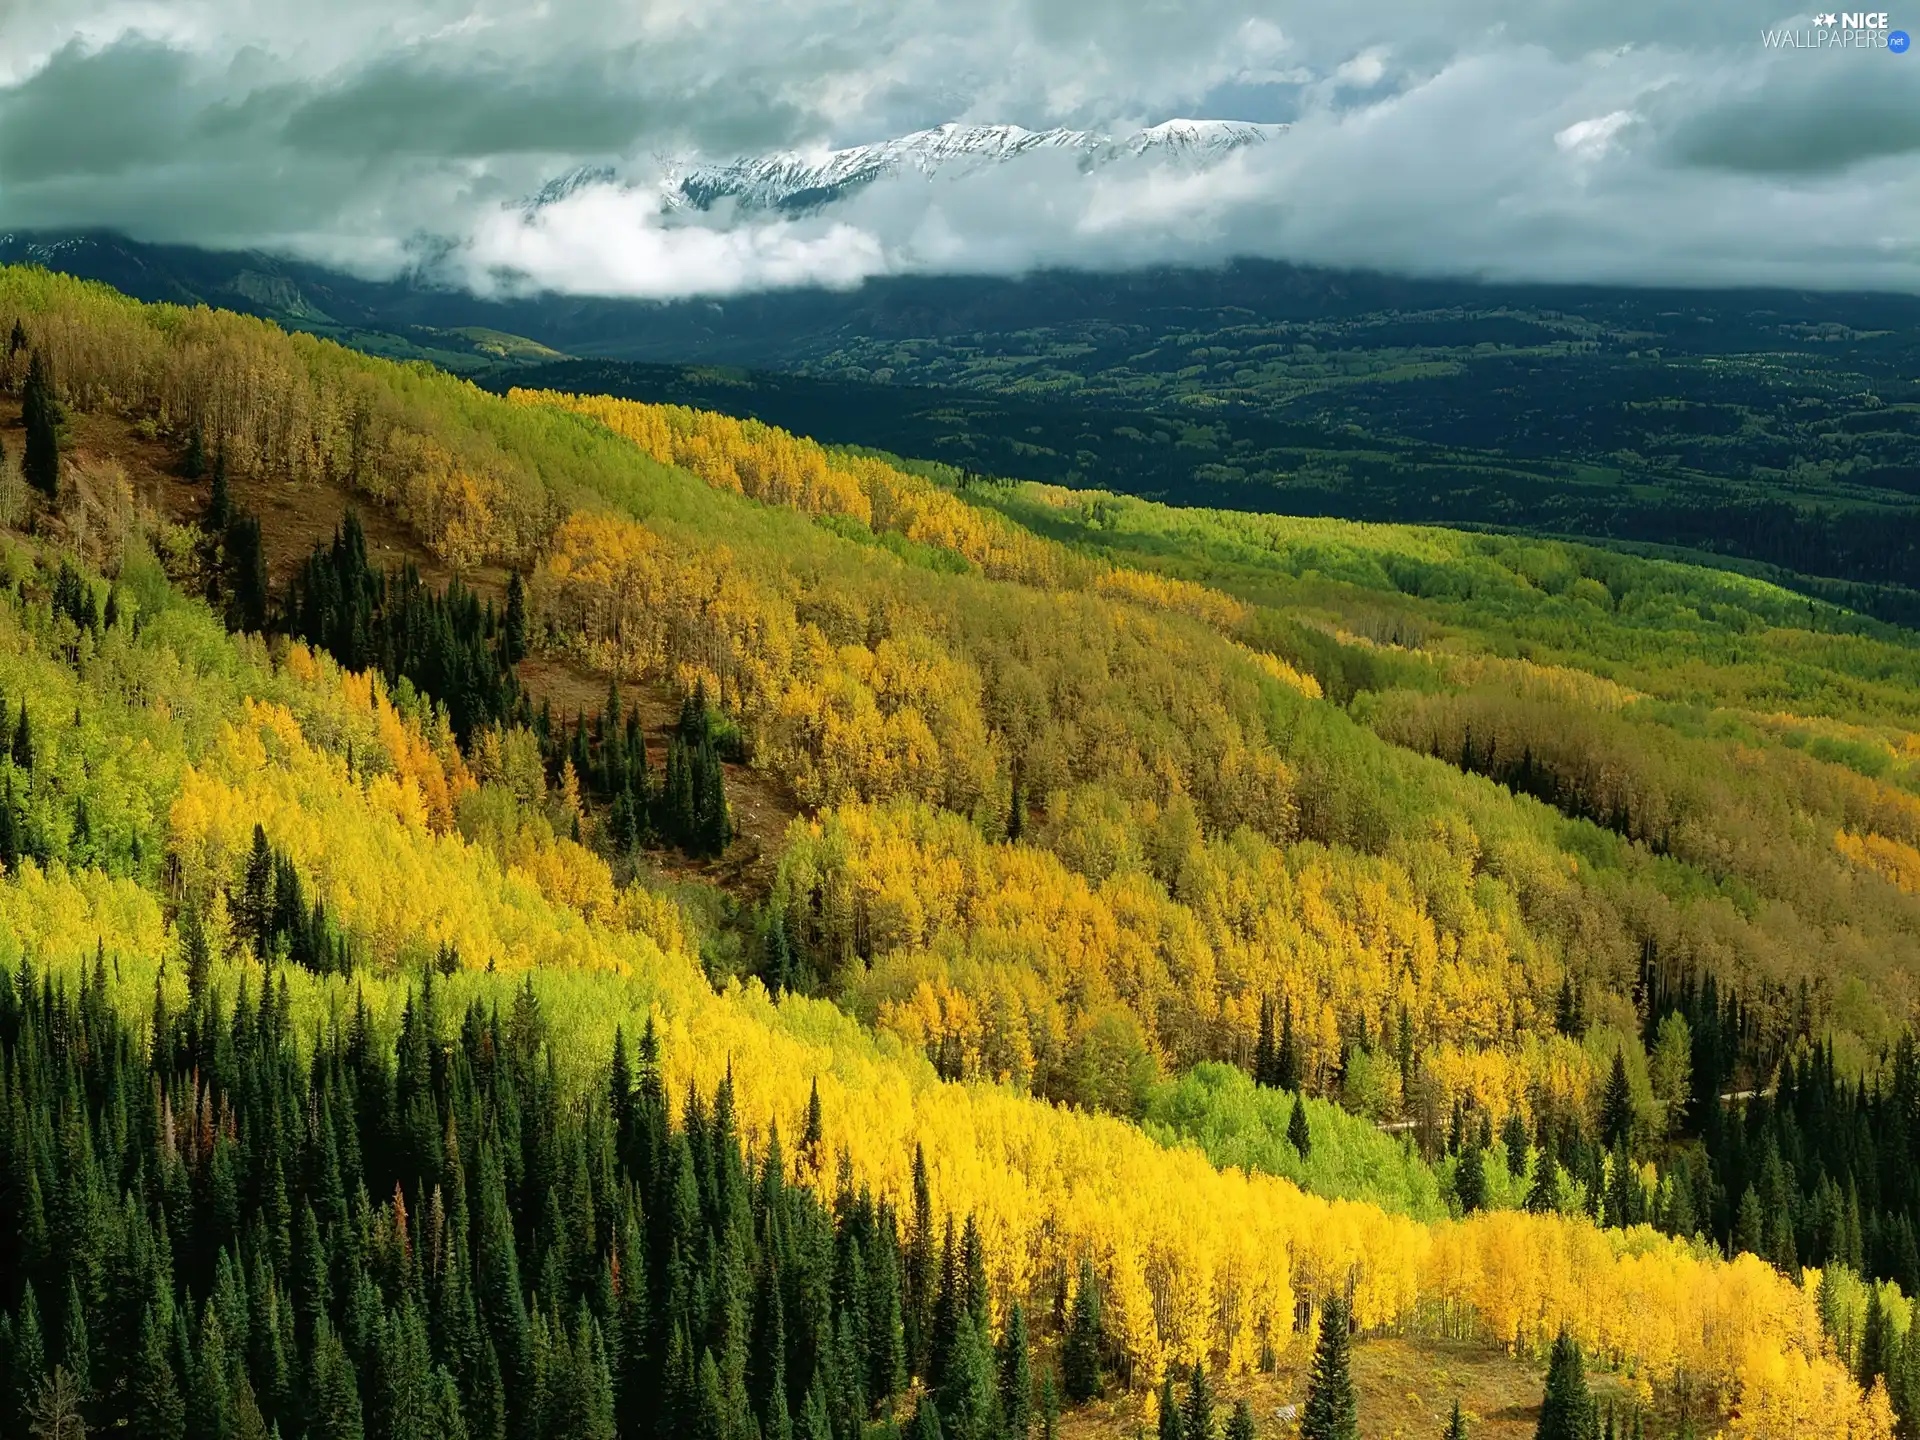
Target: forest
1233	923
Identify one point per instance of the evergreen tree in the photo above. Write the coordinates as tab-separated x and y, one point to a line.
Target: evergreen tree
1456	1425
219	512
1297	1133
1080	1357
1196	1421
159	1413
1241	1426
1016	1377
40	415
1470	1181
1169	1410
193	464
1567	1412
1286	1065
1616	1106
1332	1410
513	631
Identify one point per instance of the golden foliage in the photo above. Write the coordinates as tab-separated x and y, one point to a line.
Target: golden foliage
1892	861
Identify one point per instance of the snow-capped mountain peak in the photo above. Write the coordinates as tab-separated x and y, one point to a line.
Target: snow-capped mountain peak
792	181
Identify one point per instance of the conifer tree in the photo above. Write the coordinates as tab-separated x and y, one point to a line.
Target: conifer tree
1240	1426
1331	1411
1567	1412
40	414
193	464
1263	1048
1297	1133
1016	1376
1196	1421
1080	1358
1456	1424
1286	1068
219	512
1616	1105
1470	1180
1169	1410
513	630
159	1413
29	1358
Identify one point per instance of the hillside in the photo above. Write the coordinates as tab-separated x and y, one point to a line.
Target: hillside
1086	794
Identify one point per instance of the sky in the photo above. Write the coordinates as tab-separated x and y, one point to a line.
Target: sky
1601	140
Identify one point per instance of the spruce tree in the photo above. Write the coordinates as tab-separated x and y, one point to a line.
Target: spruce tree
1241	1426
1080	1357
1169	1410
1297	1133
1263	1047
1286	1066
513	630
1470	1181
1566	1412
1616	1105
159	1412
1196	1421
1456	1425
1332	1410
1016	1377
193	464
40	414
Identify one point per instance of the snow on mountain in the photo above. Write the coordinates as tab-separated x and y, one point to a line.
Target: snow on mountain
796	182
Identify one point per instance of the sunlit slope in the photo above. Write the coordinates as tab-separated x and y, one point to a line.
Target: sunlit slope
1197	1262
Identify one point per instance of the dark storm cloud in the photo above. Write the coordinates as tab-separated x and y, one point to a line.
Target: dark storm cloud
1635	139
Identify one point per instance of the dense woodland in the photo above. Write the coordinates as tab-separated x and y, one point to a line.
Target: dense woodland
1033	856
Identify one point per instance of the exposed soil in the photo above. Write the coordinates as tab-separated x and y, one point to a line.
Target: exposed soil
1406	1390
296	515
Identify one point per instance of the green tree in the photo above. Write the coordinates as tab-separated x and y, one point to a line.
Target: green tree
1670	1069
1240	1426
1566	1412
1297	1133
1456	1425
1332	1410
1080	1358
159	1412
1196	1422
1616	1105
1016	1376
1470	1180
40	415
513	630
1169	1410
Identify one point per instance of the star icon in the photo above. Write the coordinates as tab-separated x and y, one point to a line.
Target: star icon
1827	19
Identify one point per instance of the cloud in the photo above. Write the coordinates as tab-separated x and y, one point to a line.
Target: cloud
1635	141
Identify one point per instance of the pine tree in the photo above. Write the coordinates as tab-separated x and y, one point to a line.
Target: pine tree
1263	1047
1567	1411
219	512
1297	1133
513	630
159	1413
1470	1181
22	751
1616	1106
1286	1066
1169	1410
1016	1376
1241	1426
1080	1357
1456	1425
1331	1411
1196	1421
40	414
193	464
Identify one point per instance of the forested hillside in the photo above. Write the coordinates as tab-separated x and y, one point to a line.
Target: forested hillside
329	926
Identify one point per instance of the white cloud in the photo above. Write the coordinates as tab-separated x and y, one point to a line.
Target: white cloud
1628	140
